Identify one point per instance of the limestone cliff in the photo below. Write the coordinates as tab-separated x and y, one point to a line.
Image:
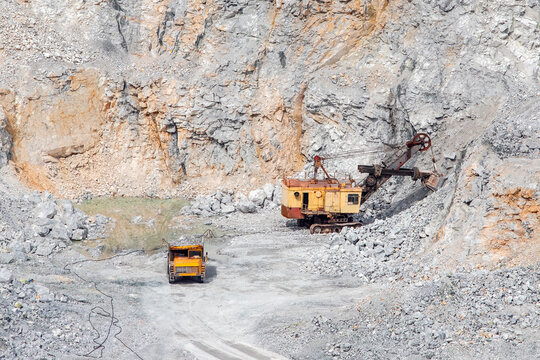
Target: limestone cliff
140	97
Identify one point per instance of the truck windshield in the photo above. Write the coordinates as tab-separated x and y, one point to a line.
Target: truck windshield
178	254
195	254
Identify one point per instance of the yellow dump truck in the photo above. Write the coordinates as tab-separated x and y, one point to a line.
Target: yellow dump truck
187	259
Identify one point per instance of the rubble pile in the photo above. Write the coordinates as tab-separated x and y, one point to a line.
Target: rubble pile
485	311
37	323
384	247
465	307
48	225
226	202
452	273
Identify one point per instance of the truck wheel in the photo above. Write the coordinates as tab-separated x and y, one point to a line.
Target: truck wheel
200	279
171	281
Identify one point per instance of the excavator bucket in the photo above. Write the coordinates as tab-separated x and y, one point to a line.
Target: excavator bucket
432	181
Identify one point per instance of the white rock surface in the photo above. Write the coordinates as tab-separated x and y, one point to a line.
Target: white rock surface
258	197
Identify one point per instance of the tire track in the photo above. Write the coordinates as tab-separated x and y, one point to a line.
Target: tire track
197	337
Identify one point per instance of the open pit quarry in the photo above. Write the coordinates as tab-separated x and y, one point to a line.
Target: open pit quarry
125	122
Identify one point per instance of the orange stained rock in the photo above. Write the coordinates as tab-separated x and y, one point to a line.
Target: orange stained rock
512	228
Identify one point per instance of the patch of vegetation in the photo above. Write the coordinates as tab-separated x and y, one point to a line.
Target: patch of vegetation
154	220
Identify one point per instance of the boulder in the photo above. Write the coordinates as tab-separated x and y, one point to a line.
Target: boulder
101	220
218	195
46	209
43	230
245	205
79	234
351	237
388	250
6	258
43	226
277	195
270	205
450	155
227	209
19	256
6	276
43	293
397	242
378	250
19	245
74	221
215	205
45	249
226	199
205	213
257	197
59	232
66	207
269	191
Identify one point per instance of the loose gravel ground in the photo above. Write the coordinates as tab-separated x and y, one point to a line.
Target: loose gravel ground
273	292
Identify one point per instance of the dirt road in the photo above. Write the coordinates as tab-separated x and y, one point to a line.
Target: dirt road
254	275
262	301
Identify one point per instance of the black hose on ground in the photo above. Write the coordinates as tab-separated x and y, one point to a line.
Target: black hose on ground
100	311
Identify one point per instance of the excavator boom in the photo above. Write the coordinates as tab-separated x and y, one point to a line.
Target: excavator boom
379	174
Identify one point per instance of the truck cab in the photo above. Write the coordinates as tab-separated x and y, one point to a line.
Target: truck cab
187	260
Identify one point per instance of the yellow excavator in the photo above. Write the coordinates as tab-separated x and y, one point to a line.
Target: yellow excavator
328	205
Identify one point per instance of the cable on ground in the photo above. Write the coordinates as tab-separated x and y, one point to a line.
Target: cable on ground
100	311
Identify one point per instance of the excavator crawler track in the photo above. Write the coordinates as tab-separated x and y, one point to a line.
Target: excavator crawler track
331	228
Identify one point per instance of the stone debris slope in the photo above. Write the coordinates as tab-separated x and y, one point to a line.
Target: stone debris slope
38	322
453	273
464	314
33	223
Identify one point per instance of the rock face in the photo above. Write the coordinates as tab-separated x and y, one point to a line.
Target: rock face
136	97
